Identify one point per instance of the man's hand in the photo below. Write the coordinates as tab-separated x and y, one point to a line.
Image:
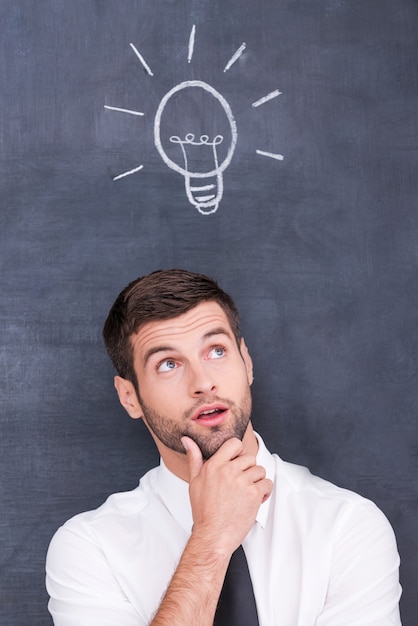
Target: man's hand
225	493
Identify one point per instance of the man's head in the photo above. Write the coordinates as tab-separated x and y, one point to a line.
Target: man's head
162	295
174	339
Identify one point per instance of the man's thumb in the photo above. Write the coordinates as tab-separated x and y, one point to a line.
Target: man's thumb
194	456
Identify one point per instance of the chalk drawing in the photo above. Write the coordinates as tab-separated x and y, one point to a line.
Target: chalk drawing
268	97
278	157
141	58
199	151
213	169
191	43
235	57
136	169
123	110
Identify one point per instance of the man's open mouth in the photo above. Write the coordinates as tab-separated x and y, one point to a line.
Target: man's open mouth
207	413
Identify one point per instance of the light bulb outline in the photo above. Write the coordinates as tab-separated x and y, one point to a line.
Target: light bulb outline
232	125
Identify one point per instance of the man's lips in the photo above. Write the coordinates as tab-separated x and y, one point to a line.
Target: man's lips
210	414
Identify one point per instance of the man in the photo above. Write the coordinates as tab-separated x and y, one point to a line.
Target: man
317	554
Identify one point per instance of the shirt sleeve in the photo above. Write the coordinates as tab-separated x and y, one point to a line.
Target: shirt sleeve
83	590
363	585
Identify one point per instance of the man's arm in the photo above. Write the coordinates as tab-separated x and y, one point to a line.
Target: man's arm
364	578
82	586
226	493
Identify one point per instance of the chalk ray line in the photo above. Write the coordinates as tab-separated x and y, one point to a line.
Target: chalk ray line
123	110
136	169
191	43
141	58
279	157
235	57
269	96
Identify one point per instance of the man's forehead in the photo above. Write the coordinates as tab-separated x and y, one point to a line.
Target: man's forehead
198	321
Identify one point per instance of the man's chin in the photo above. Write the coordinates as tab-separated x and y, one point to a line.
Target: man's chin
210	444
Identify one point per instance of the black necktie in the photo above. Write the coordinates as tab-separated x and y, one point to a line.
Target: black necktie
236	606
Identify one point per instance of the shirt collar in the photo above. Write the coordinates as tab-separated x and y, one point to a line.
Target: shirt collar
265	459
174	492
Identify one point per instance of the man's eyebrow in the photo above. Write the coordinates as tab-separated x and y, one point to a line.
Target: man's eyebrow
220	330
148	354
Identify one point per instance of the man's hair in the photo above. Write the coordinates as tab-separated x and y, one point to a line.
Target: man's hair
161	295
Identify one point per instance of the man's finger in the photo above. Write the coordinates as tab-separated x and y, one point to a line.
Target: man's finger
194	456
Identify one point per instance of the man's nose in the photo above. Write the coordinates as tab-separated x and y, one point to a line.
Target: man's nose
201	380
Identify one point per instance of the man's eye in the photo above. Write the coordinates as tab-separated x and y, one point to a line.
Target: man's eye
167	365
217	352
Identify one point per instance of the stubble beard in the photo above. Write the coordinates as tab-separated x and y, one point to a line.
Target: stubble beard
209	439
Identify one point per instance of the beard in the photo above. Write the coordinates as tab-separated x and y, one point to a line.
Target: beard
209	439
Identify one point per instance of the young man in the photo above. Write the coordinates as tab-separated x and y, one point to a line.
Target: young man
317	554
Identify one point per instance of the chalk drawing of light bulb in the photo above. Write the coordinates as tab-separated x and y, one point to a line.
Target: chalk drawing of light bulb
196	134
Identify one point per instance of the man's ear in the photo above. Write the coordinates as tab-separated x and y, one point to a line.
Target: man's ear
247	360
128	397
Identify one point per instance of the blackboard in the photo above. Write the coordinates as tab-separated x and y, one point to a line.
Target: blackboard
314	233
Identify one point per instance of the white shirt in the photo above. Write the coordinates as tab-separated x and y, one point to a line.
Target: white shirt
318	555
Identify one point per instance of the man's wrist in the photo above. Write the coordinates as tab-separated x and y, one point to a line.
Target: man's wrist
213	548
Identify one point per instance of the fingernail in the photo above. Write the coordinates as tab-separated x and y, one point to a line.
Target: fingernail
185	443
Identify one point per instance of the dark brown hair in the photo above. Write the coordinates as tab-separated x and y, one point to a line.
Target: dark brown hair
161	295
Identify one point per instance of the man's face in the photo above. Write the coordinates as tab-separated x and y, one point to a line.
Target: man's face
193	380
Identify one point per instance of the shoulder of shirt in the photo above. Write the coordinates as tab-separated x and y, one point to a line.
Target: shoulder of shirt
307	487
298	480
118	507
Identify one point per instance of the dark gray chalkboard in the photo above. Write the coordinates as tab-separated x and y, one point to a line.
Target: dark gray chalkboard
319	247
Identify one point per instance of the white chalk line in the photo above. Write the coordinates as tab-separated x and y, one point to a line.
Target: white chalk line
141	58
157	131
205	198
123	110
202	188
266	98
136	169
278	157
235	56
191	43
